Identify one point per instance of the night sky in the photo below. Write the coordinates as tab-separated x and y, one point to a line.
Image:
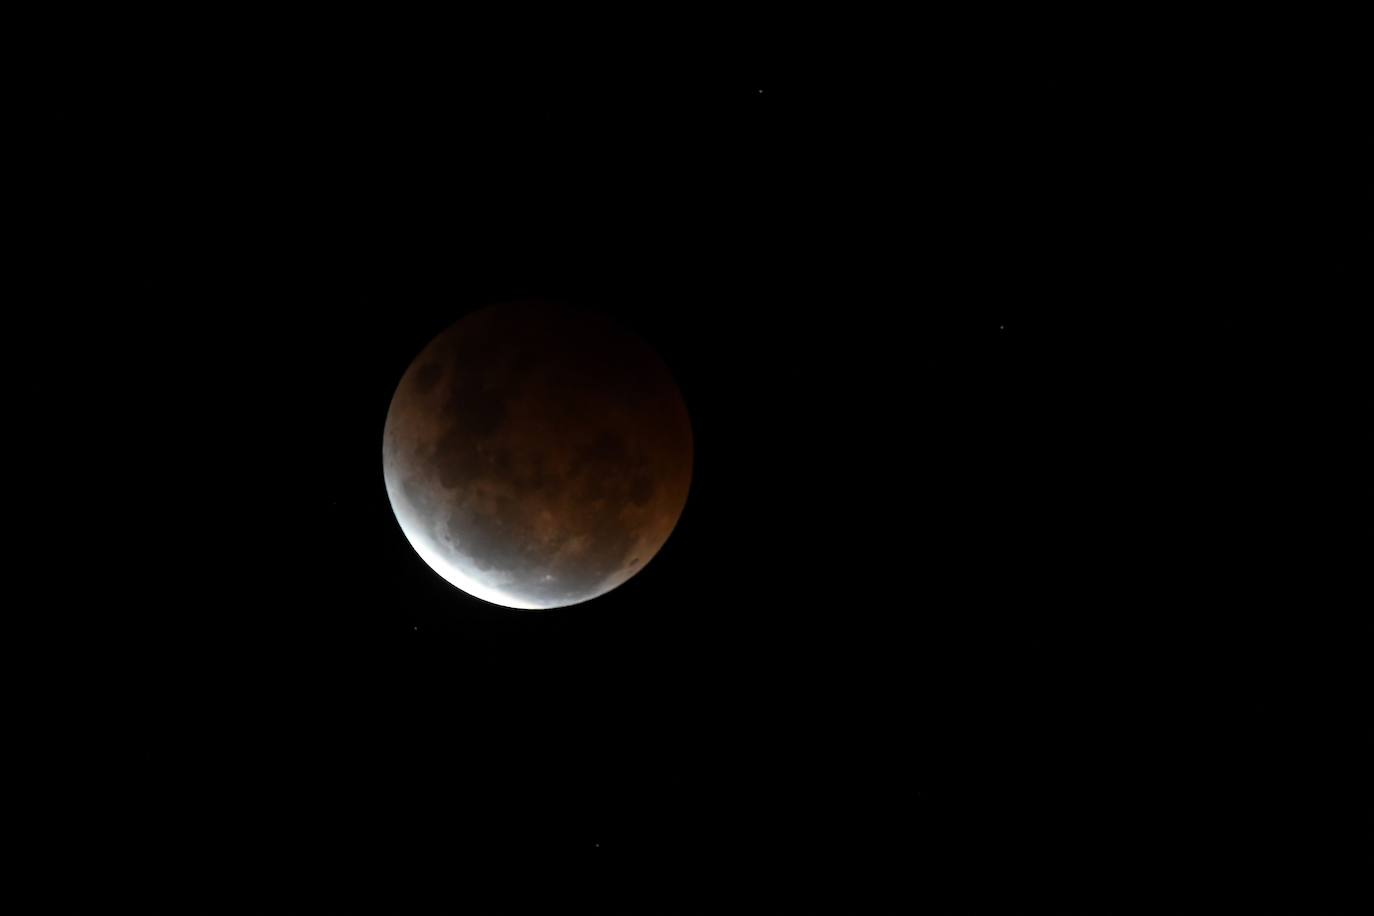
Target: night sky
1030	401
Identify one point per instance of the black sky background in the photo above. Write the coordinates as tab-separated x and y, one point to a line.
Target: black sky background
1021	560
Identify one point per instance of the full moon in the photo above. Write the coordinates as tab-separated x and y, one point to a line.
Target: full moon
536	455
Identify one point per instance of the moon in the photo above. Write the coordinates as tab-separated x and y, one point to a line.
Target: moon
537	455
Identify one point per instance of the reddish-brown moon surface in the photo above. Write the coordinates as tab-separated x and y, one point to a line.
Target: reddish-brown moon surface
537	455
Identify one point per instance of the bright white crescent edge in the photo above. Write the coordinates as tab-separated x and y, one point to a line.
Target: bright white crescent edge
462	580
436	561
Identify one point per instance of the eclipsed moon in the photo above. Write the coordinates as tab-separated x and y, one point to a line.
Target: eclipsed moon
537	455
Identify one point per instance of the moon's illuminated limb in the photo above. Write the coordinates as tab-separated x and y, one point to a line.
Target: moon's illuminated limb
456	576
